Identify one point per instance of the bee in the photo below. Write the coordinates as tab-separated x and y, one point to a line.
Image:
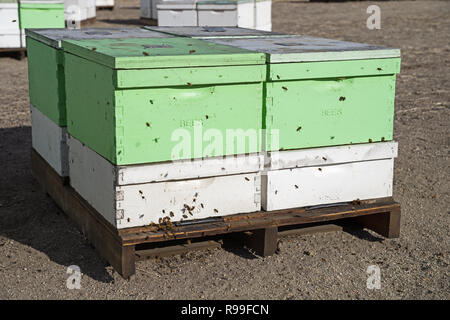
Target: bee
284	88
145	53
164	211
189	84
296	186
93	49
185	216
342	99
160	220
320	169
370	140
191	51
147	124
379	69
206	117
201	205
172	214
382	139
324	159
247	179
140	192
216	211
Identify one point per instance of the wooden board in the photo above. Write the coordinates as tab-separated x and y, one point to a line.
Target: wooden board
50	141
118	247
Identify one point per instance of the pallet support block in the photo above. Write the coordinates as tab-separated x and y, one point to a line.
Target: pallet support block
264	241
386	224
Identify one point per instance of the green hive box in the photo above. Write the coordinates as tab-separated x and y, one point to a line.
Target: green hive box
322	92
126	97
46	64
41	14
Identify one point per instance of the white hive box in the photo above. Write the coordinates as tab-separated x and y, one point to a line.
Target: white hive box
138	195
218	13
90	9
318	176
9	16
263	15
49	140
215	32
9	25
104	3
177	13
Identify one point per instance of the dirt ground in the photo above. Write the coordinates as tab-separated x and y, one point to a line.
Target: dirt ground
38	243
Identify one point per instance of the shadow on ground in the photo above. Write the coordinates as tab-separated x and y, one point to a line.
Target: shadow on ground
30	217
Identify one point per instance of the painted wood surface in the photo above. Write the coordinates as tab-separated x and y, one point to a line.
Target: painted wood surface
137	125
144	203
331	155
160	53
214	32
49	140
319	185
314	112
177	13
53	37
165	171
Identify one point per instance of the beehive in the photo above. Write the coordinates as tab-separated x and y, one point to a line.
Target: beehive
176	13
9	24
127	97
215	32
47	84
327	175
322	92
138	195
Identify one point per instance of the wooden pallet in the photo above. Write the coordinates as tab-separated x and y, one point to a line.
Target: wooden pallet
121	248
110	8
19	52
149	21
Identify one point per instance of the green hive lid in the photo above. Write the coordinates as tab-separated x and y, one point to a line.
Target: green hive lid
8	1
304	49
138	53
214	32
53	37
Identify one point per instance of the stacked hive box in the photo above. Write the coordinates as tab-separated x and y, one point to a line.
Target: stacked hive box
108	4
15	16
78	11
253	14
47	88
129	101
9	24
40	14
332	96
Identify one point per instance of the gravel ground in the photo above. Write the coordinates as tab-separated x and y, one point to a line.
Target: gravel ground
38	243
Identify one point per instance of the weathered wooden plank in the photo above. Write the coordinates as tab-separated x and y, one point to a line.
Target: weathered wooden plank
170	250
